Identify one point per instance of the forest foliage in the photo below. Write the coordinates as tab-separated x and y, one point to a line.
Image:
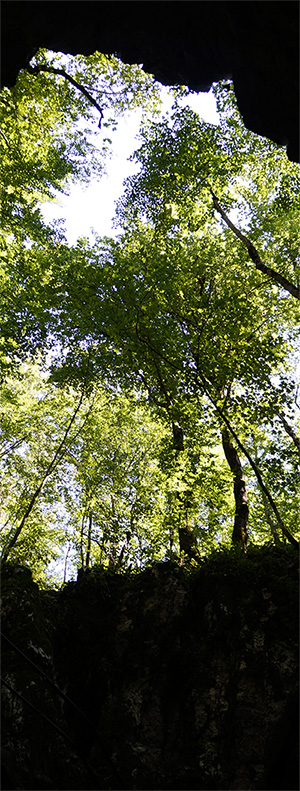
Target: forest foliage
149	398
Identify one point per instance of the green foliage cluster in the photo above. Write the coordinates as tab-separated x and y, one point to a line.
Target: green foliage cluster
126	362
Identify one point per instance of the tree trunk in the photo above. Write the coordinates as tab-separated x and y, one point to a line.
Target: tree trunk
82	541
240	528
89	539
269	519
66	562
188	542
187	538
255	469
177	436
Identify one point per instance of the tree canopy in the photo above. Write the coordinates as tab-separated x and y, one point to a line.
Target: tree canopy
149	393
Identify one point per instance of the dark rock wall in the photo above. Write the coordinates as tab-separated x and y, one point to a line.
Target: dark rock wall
193	43
34	754
181	679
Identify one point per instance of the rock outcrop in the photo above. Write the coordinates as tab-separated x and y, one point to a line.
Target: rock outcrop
255	43
167	679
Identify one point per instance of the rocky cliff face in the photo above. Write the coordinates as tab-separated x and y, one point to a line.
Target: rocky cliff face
168	679
257	44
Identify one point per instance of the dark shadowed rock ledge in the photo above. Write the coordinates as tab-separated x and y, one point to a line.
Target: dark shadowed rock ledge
255	43
182	679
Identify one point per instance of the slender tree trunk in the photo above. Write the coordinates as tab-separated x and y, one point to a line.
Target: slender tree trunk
188	542
89	538
290	431
240	527
171	539
255	469
66	562
125	549
269	519
82	541
57	458
187	538
177	437
112	556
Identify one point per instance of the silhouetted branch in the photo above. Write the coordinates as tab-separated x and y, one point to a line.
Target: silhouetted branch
62	73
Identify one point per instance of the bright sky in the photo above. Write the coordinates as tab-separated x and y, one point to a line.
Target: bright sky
92	206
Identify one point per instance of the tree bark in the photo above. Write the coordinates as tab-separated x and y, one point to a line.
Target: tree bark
82	541
188	542
66	562
240	527
269	519
187	538
177	437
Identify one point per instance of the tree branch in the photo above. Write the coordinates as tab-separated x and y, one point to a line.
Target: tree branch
13	446
5	138
51	70
269	519
290	431
145	340
254	255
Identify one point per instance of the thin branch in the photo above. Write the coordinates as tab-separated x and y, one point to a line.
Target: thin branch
62	73
254	255
13	446
147	343
5	138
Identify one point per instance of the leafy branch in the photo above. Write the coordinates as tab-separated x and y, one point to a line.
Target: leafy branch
253	253
13	446
62	73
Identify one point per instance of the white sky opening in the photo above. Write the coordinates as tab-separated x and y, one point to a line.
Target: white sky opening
92	206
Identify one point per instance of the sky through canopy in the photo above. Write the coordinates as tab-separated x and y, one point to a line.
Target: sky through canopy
92	206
